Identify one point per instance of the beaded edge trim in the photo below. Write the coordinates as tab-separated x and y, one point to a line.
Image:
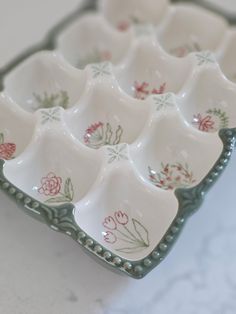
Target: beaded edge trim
61	218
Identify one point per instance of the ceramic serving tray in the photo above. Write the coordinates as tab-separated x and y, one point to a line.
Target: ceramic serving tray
111	154
180	29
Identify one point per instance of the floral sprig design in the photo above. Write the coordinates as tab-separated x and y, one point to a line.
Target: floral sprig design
7	150
51	185
205	124
184	50
47	101
142	90
95	56
120	229
213	120
172	176
221	115
100	134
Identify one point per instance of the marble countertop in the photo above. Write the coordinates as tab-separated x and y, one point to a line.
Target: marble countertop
42	271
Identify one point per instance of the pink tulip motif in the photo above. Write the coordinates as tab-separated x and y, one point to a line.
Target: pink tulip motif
121	230
110	223
109	237
121	217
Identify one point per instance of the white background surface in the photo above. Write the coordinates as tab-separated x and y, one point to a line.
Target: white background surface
42	271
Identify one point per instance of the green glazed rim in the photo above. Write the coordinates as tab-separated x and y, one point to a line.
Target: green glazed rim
61	218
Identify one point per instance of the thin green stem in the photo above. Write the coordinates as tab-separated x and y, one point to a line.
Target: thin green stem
127	241
65	196
126	236
133	236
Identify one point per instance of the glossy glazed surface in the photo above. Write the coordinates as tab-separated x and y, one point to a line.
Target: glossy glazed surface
76	159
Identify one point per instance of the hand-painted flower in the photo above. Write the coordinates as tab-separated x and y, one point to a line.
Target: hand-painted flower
109	223
141	91
94	133
109	237
205	124
7	150
160	90
51	185
121	217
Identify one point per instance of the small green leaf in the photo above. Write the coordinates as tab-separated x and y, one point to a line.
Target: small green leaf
224	119
68	189
53	100
64	101
130	250
119	133
141	231
1	138
59	199
108	134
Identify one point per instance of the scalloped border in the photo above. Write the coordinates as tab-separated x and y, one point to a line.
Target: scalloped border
61	218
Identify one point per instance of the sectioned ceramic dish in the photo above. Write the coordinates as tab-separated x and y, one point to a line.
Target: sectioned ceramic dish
72	159
180	29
